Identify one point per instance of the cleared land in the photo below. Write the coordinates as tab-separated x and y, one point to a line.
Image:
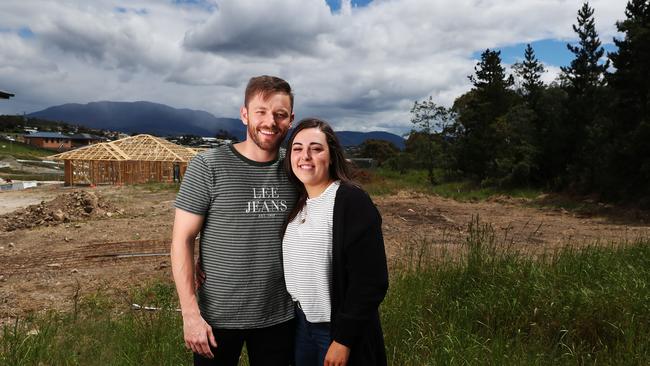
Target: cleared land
42	267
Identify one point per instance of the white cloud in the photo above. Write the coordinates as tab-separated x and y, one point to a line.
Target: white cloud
361	67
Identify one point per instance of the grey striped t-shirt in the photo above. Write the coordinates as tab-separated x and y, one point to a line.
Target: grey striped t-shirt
244	204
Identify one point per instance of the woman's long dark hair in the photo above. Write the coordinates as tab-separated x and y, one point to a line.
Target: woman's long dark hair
339	167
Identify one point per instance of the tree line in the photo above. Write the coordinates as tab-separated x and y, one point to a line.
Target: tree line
587	132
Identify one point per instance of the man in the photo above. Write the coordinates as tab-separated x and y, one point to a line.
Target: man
237	197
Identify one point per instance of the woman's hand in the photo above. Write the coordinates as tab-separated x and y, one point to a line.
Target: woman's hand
337	355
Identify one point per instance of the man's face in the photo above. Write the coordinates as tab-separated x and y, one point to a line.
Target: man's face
267	121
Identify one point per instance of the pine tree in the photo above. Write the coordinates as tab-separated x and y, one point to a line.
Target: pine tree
583	81
632	62
492	85
478	112
490	74
586	70
530	71
630	83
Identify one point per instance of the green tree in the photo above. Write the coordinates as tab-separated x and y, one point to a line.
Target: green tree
586	71
430	121
530	72
380	150
226	135
630	83
190	140
583	80
515	162
551	110
476	138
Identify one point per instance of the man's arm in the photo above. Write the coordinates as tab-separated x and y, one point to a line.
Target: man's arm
196	331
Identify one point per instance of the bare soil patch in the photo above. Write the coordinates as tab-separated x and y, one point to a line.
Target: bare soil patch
64	208
42	267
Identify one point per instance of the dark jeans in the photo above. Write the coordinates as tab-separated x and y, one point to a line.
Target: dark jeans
312	341
265	346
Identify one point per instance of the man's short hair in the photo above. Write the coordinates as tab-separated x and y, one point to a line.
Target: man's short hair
266	86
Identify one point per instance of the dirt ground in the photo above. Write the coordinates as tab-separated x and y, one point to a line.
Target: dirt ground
123	240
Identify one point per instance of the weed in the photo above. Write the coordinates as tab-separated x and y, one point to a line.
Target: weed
485	305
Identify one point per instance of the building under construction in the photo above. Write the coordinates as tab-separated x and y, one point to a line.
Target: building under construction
132	160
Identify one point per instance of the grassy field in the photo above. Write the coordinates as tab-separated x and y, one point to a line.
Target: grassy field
22	151
385	181
489	307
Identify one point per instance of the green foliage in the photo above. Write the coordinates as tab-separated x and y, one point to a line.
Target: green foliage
225	135
588	134
96	334
586	126
530	72
190	140
515	161
426	142
479	304
586	70
495	307
389	181
380	150
401	162
628	158
480	118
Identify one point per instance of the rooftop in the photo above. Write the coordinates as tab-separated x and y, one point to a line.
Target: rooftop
48	135
5	95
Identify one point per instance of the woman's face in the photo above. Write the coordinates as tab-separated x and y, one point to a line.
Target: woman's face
310	157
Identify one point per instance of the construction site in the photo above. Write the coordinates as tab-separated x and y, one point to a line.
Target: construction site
58	243
132	160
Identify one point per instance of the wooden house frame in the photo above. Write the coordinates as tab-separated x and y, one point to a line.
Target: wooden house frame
131	160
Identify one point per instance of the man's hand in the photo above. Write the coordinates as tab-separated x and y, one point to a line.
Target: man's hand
337	355
197	333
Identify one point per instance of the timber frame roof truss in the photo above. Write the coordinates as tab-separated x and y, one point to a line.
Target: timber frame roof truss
134	148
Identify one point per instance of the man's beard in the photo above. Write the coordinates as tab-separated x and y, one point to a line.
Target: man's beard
266	146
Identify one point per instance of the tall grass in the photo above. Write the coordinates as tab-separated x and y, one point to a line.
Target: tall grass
100	331
480	304
386	181
495	307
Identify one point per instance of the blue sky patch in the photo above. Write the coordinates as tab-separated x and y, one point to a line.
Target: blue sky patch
190	2
550	51
335	5
25	32
123	10
208	5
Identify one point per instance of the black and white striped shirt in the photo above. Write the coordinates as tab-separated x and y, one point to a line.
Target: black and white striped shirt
244	204
307	255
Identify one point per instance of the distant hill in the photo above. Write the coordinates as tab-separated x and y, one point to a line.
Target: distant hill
353	138
163	120
142	117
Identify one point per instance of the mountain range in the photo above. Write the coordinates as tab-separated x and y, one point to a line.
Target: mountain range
163	120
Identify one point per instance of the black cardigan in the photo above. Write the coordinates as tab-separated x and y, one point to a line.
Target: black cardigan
359	276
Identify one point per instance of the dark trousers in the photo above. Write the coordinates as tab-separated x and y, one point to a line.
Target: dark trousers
271	346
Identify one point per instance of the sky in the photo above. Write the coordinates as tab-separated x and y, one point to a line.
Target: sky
359	64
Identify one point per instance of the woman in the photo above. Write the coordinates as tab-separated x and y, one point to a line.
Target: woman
333	252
